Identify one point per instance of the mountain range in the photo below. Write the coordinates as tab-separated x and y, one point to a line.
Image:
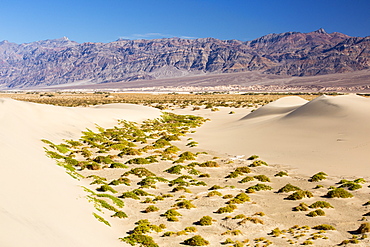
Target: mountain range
62	61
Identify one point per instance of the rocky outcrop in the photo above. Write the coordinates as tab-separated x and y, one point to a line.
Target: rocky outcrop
60	61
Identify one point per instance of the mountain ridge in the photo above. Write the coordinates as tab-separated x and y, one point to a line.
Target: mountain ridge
62	61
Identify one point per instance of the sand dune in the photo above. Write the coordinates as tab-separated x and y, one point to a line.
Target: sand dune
330	133
41	205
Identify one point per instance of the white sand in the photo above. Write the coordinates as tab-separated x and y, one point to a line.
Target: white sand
41	205
330	134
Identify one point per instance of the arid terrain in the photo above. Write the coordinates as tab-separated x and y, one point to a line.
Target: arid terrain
233	170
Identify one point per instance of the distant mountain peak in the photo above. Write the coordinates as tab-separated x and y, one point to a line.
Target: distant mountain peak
321	30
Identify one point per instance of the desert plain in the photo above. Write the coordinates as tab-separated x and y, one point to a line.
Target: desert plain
289	172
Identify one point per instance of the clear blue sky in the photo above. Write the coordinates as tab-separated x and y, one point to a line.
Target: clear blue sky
24	21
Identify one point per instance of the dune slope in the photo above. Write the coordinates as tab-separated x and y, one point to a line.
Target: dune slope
330	133
41	205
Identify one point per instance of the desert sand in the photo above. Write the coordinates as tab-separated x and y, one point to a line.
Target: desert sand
43	206
330	133
40	205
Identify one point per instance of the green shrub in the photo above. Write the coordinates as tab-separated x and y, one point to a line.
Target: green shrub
339	192
103	159
130	194
105	188
364	228
114	199
128	151
120	215
117	165
149	182
307	242
228	209
175	169
262	178
302	207
140	172
228	196
187	156
317	212
215	187
276	232
141	239
239	199
190	229
298	195
184	204
359	180
321	204
196	240
119	181
281	174
246	179
150	209
209	164
251	219
205	221
171	150
253	157
240	216
258	187
318	177
258	163
181	188
351	185
138	161
288	188
101	219
324	227
214	193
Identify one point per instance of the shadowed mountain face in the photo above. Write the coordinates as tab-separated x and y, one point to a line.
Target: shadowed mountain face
60	61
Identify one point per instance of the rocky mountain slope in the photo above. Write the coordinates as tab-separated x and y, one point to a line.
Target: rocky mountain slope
60	61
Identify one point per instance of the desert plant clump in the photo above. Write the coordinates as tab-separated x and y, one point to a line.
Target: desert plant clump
318	177
258	187
246	179
281	174
253	157
317	212
351	185
239	199
258	163
175	169
239	171
276	232
301	207
184	204
262	178
140	172
210	163
251	219
150	209
298	195
120	215
196	240
228	209
214	193
105	188
119	181
288	188
364	228
324	227
205	221
171	215
339	193
321	204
